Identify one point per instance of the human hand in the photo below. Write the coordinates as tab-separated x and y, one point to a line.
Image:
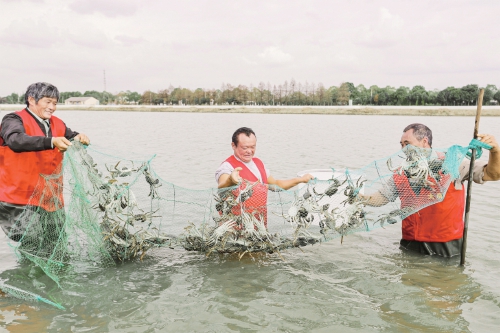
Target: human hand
61	143
306	178
83	139
489	139
235	176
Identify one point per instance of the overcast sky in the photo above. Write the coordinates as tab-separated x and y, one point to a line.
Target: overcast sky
150	44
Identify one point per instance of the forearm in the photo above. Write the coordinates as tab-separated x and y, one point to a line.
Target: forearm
287	183
375	200
70	135
225	180
492	169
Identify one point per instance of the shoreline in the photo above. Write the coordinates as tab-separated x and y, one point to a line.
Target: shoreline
491	110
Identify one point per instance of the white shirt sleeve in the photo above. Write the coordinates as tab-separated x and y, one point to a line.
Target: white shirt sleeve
224	169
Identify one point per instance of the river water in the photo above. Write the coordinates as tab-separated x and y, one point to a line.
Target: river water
365	284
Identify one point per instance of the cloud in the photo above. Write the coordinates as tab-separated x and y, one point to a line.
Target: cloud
248	61
386	31
129	40
93	39
39	1
110	8
30	33
274	55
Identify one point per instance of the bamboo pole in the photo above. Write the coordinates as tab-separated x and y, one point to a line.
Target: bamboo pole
469	183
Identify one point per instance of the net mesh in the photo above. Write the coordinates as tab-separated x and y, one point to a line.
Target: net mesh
100	209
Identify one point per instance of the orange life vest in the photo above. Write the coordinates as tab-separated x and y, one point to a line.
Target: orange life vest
20	172
439	222
257	203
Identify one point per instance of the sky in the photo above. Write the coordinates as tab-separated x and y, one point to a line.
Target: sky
152	44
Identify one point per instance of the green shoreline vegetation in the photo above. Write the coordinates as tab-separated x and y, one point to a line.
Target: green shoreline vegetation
279	98
332	110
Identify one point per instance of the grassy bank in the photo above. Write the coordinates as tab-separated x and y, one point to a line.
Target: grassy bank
340	110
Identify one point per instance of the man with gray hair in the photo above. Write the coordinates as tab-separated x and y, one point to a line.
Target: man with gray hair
32	142
438	228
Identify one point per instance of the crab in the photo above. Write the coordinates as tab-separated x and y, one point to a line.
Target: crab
332	189
352	191
153	182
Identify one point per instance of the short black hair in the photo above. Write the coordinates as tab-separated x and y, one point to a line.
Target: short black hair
40	90
420	131
245	130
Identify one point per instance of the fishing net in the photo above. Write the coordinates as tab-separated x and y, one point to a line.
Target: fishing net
99	209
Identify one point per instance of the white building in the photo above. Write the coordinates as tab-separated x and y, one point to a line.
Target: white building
81	101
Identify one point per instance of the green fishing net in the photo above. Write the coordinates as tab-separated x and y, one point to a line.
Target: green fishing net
99	209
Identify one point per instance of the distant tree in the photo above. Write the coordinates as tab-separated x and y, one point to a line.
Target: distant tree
164	95
134	97
373	91
362	95
343	93
352	90
149	97
292	88
322	94
313	94
401	96
432	96
470	93
93	93
13	99
63	96
456	96
489	92
450	96
333	92
385	95
261	89
418	95
496	97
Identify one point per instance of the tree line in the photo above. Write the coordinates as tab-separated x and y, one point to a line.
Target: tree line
290	93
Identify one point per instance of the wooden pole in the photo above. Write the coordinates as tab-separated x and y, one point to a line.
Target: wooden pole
469	183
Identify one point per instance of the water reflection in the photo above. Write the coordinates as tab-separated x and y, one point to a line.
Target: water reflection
433	292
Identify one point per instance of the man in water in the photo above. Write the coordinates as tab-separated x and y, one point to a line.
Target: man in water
32	142
242	165
438	228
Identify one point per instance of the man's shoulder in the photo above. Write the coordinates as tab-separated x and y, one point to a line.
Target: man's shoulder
12	116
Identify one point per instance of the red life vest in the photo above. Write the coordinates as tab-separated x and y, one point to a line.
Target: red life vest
439	222
20	172
257	203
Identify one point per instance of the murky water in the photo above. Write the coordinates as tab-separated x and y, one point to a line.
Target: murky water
365	284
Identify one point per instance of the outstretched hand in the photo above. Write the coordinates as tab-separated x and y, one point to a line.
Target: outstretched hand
306	178
235	176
